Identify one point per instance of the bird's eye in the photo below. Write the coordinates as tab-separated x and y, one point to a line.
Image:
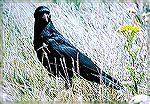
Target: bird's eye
42	13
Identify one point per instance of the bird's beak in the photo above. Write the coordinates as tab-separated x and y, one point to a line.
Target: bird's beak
45	17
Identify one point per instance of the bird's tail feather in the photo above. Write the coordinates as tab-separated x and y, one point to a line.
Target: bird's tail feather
110	81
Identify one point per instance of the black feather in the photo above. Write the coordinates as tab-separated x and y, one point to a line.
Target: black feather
60	47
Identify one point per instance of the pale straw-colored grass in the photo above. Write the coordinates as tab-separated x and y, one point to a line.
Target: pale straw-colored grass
92	28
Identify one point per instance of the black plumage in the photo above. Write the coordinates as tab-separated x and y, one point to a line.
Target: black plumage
58	48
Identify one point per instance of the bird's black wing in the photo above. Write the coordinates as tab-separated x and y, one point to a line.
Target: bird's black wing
64	48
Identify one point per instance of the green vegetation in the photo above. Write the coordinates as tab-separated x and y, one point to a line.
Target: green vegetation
130	32
92	29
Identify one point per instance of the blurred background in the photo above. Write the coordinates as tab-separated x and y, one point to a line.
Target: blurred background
93	28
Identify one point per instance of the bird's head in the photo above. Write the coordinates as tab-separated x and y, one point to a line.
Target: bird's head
42	13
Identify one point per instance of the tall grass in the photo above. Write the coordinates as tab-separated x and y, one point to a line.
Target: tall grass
92	29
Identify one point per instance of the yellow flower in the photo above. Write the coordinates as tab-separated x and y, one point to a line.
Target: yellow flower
130	28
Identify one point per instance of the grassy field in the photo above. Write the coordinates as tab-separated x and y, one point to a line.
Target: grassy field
92	28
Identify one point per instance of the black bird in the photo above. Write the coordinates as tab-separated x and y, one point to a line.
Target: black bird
57	47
